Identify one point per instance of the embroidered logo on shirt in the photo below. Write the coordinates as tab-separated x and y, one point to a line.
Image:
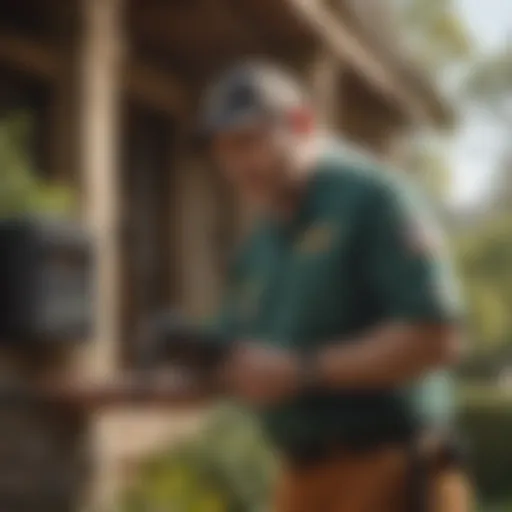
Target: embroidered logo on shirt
316	239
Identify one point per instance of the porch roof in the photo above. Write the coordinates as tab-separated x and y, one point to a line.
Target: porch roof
199	36
174	45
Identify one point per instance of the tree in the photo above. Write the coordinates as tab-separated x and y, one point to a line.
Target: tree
435	31
426	164
483	257
488	89
440	41
21	190
489	86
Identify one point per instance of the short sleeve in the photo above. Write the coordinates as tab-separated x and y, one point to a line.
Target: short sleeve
407	263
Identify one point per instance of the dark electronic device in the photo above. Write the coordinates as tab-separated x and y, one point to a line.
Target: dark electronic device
175	340
45	281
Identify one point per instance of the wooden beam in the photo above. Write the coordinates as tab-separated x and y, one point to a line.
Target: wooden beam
325	77
349	47
28	55
156	88
258	31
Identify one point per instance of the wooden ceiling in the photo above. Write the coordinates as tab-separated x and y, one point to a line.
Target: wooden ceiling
42	19
191	39
202	33
199	36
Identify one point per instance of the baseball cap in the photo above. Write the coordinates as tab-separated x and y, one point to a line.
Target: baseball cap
247	93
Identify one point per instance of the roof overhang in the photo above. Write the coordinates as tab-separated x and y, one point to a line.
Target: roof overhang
176	44
399	82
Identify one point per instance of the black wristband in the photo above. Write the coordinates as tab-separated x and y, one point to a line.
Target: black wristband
309	375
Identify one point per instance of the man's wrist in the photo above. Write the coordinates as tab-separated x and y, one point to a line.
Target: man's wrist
310	374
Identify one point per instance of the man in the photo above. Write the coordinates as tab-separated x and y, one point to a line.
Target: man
342	305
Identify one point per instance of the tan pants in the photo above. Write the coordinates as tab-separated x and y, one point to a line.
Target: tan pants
370	482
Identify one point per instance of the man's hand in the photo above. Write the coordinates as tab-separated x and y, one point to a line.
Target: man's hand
261	375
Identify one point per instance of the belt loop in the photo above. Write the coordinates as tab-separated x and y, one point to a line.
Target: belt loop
418	475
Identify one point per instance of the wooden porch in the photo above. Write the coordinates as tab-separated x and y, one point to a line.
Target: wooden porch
112	85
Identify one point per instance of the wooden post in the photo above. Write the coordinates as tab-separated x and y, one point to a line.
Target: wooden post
198	217
101	92
63	121
324	73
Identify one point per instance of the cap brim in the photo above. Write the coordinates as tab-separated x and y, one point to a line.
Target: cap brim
206	130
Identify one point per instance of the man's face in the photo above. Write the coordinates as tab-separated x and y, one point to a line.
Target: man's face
253	159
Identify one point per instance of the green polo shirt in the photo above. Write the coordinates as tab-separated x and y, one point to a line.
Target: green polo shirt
362	250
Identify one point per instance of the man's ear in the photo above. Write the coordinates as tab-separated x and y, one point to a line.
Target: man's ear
302	120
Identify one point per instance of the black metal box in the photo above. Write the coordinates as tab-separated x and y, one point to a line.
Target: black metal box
45	281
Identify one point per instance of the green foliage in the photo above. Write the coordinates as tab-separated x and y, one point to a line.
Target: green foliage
427	166
486	420
228	468
483	257
21	191
489	85
437	36
435	32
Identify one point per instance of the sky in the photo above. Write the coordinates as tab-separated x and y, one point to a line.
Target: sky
475	149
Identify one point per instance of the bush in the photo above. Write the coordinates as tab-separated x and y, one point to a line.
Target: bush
486	419
228	468
21	190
